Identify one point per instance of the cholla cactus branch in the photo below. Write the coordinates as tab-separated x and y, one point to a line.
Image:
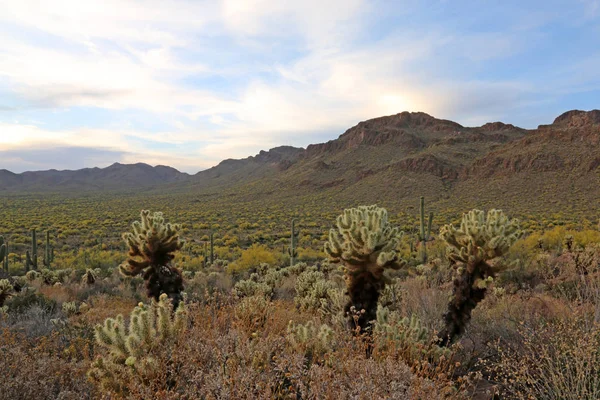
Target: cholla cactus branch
152	243
479	238
366	244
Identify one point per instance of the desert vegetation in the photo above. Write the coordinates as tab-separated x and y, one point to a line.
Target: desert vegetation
243	302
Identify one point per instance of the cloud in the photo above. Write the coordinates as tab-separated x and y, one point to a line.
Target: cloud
194	82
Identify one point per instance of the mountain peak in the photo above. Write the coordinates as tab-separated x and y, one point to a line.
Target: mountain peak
578	118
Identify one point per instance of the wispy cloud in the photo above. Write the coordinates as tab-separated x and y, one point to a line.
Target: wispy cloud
193	82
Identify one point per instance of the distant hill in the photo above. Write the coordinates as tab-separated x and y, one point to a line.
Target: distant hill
391	159
115	177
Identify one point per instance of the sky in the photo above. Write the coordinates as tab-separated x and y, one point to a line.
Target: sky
191	83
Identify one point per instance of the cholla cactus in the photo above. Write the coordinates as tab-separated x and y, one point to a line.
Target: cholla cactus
49	277
312	290
479	238
132	353
89	278
408	336
314	341
32	275
154	241
69	308
6	290
252	287
366	244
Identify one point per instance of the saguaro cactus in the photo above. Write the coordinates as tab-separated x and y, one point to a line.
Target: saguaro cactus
479	239
4	253
32	260
366	244
424	234
212	247
48	252
154	241
293	238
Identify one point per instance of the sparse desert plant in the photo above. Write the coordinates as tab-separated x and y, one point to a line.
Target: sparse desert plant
133	352
479	239
154	241
366	244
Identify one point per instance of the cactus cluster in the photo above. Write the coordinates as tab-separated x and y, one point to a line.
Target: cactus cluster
154	242
479	239
313	290
132	350
366	244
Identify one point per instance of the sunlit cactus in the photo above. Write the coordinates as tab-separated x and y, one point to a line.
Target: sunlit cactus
6	290
366	244
479	239
133	350
151	247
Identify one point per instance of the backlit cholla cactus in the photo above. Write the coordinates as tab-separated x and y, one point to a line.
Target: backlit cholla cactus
479	239
407	335
151	247
366	244
312	290
132	352
6	290
90	276
314	341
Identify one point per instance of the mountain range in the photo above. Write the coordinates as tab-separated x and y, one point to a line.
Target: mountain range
385	159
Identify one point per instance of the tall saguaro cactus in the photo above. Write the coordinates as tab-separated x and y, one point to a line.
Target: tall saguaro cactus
212	247
48	252
4	253
479	239
154	241
366	244
425	233
293	253
31	259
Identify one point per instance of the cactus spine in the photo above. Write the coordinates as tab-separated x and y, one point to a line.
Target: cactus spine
425	233
154	241
479	238
292	250
366	244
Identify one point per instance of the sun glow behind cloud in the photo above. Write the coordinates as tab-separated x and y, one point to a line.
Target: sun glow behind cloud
189	83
